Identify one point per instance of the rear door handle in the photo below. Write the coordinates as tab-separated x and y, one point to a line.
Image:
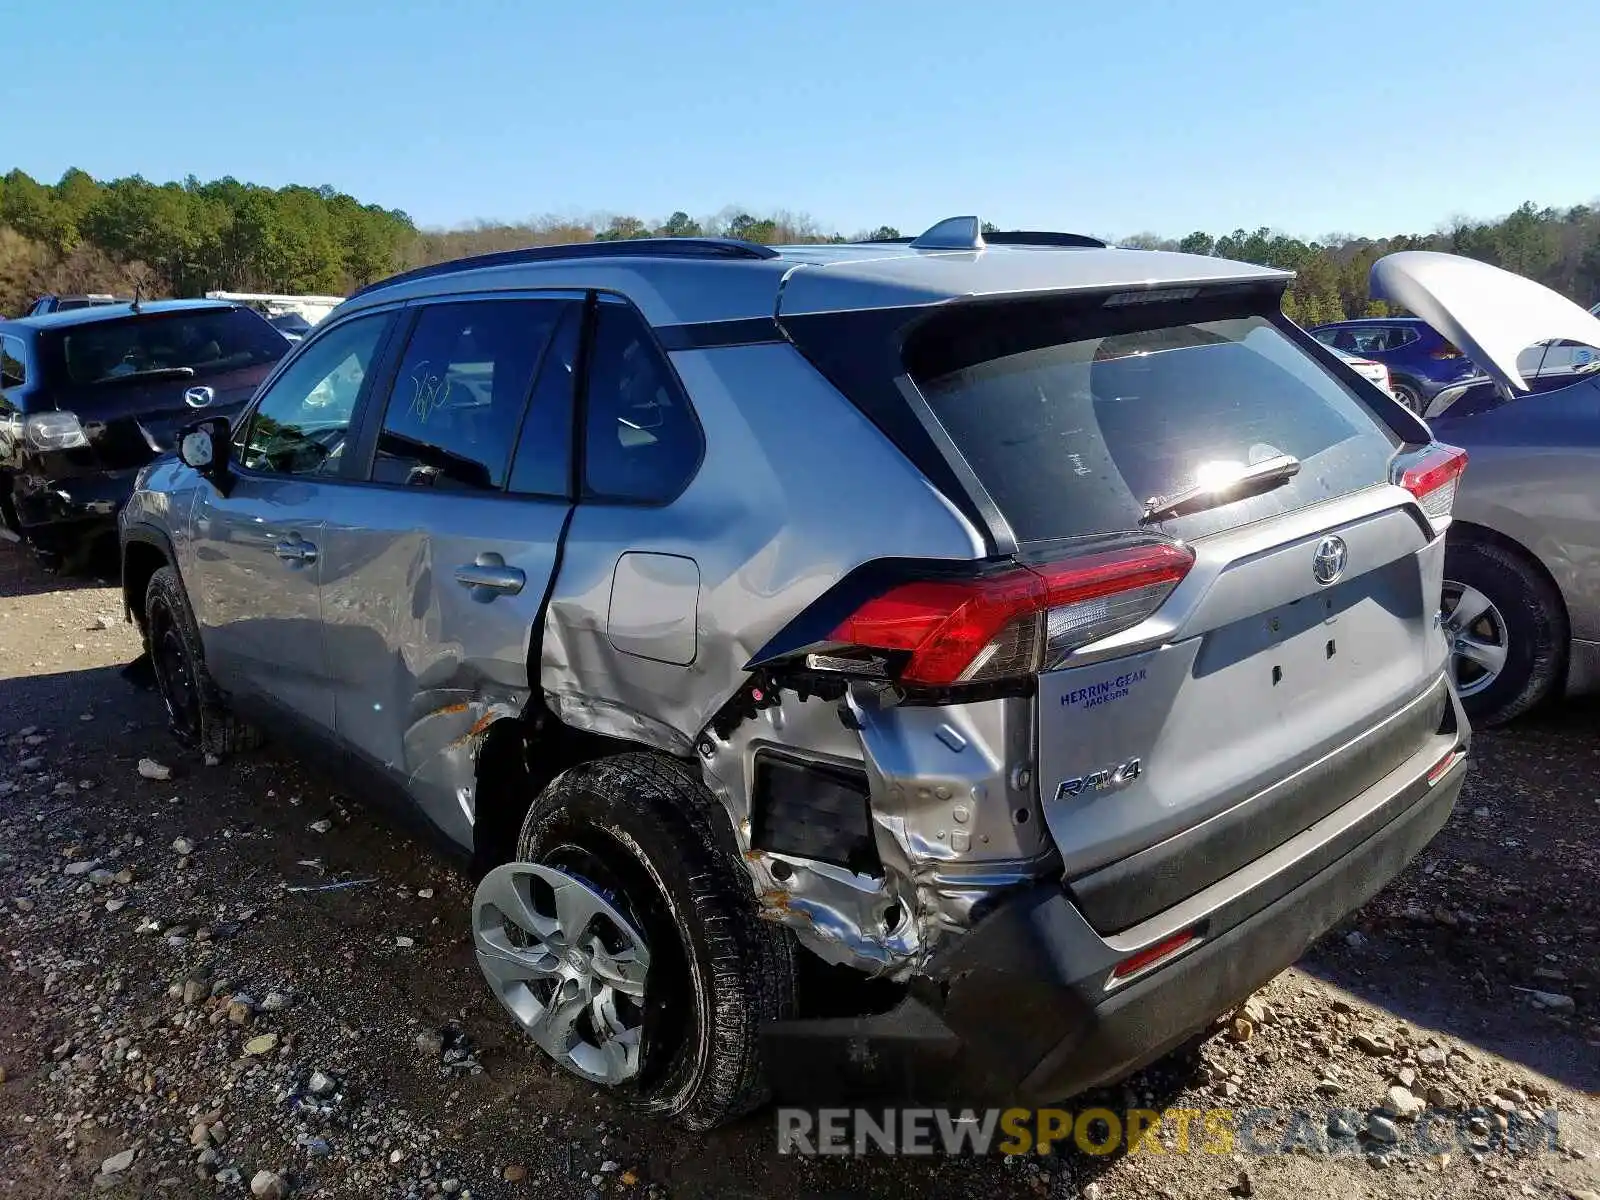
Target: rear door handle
488	577
296	550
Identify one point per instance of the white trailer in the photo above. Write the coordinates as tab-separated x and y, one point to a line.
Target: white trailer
312	308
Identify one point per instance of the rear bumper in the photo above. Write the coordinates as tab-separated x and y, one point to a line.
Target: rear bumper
55	513
1022	1009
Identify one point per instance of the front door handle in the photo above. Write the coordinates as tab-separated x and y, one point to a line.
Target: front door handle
488	576
296	551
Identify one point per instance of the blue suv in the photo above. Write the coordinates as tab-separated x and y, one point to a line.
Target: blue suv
1421	362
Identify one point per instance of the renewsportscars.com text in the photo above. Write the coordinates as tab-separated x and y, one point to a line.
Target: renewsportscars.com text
1260	1131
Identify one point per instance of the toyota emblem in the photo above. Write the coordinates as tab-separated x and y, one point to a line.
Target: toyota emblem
198	397
1328	563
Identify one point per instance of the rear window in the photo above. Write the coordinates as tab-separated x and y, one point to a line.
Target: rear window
201	342
1075	435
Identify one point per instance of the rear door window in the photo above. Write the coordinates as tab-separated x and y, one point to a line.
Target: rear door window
543	462
460	393
1075	435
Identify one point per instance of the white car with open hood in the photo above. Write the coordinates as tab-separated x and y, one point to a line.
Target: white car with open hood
1522	571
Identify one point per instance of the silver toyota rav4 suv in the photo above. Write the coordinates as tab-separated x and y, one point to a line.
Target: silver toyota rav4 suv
956	668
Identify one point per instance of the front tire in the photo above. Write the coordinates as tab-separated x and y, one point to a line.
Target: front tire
1508	631
196	712
637	830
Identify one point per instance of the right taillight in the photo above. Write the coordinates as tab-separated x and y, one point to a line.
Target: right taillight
1016	621
1433	477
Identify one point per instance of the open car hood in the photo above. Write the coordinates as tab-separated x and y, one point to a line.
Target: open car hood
1491	314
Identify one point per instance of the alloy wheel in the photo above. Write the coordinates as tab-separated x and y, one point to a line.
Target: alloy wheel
1478	640
567	965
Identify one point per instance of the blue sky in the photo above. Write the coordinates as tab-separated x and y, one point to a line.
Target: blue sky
1111	117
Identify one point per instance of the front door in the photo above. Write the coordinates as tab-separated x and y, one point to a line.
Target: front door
435	570
257	550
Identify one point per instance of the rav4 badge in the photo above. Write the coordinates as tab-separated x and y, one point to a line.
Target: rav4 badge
1107	779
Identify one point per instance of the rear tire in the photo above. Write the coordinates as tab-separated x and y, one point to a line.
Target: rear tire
196	711
718	973
1524	621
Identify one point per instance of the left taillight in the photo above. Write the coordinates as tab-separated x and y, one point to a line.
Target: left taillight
1014	622
1433	478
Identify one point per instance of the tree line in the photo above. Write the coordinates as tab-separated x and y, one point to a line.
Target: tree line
185	238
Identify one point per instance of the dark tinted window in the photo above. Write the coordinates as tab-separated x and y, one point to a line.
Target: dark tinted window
12	371
642	442
1074	436
301	425
201	342
460	392
543	465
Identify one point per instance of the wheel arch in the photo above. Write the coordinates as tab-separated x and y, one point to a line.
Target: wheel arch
517	759
1467	531
145	550
1566	683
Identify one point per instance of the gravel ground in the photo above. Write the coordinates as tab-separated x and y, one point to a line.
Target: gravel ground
184	1012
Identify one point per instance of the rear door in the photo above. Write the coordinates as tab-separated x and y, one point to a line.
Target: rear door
1306	626
256	553
437	567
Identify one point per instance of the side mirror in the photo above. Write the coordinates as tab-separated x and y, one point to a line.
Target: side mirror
203	447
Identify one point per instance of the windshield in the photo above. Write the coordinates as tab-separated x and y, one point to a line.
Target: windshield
201	341
1077	435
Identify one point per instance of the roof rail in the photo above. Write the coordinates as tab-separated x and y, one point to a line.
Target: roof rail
634	248
967	233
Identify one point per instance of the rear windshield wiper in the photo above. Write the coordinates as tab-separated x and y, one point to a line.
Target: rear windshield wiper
1257	477
152	373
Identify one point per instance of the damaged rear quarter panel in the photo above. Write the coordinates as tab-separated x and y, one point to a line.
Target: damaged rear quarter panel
796	488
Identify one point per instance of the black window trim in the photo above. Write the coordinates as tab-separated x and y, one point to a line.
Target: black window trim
368	423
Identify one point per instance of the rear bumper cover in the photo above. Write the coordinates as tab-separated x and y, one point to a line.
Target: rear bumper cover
1020	1010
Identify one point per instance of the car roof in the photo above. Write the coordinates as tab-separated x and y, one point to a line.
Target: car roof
111	312
694	281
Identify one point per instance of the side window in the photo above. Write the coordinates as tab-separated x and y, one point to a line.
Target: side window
460	393
642	442
543	463
301	425
12	371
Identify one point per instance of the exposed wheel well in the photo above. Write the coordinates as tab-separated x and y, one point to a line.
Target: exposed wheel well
519	758
140	560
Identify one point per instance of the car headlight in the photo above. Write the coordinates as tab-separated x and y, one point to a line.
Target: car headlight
54	431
